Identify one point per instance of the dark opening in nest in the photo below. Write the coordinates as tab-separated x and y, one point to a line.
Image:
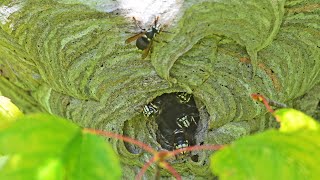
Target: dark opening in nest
177	117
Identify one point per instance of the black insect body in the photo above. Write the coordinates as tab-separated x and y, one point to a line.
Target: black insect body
186	121
180	140
177	117
150	109
144	39
184	97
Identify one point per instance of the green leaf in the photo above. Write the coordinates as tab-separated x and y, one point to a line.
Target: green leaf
94	153
292	120
8	111
270	155
47	147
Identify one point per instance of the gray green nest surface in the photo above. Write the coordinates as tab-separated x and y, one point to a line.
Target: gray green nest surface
70	60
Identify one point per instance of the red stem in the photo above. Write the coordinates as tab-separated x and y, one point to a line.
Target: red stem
121	137
159	156
144	168
171	170
260	98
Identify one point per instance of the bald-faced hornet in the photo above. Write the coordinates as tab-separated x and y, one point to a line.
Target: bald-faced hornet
180	140
186	121
144	39
150	109
177	117
183	97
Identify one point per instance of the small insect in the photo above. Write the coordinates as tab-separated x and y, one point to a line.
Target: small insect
183	97
144	39
185	121
150	109
180	140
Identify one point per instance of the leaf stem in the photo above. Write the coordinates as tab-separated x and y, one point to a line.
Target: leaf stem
121	137
144	168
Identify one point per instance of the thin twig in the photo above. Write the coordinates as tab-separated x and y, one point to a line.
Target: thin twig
261	98
144	168
123	138
171	170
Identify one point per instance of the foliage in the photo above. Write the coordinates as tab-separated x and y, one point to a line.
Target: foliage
69	59
47	147
293	120
287	153
8	111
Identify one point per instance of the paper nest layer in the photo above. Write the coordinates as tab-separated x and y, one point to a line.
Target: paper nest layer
71	60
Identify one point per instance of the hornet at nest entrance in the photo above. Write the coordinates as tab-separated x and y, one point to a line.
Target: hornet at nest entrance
145	38
177	117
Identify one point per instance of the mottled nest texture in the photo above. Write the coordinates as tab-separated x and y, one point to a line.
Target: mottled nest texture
70	60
